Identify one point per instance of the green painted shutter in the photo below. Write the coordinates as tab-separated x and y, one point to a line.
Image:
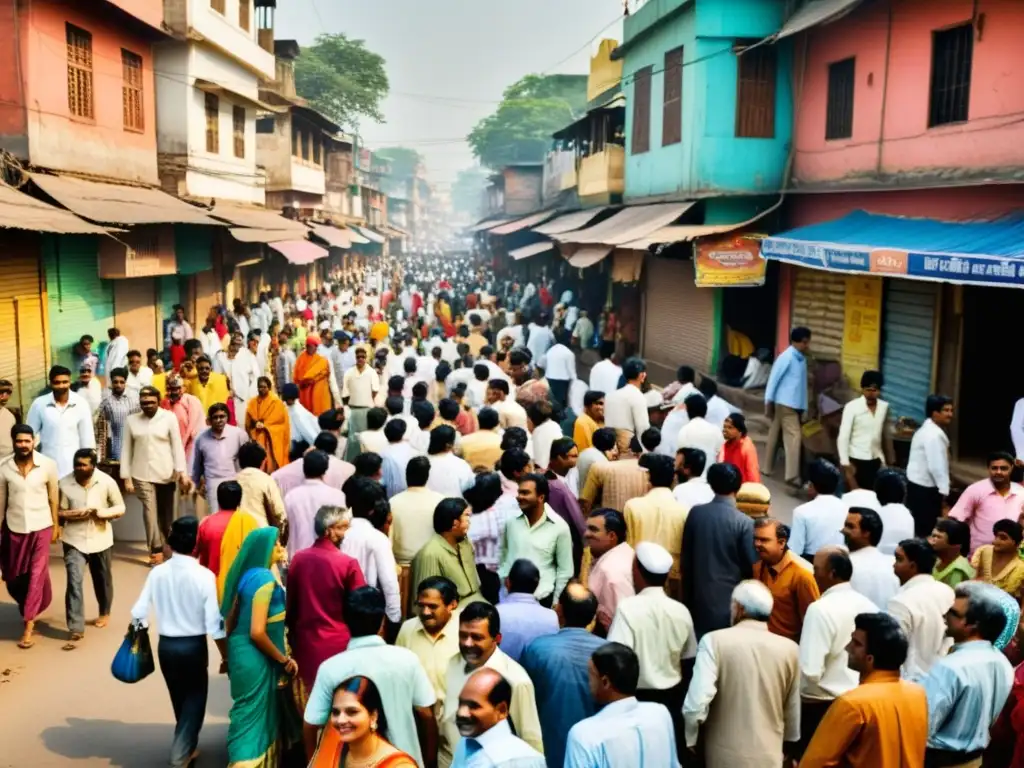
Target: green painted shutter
170	294
193	248
79	301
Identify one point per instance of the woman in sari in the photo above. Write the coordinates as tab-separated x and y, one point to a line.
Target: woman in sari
358	731
266	421
999	563
258	664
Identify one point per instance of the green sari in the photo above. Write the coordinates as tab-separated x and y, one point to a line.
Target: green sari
254	728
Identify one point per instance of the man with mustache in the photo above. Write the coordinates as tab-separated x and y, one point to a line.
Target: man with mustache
483	721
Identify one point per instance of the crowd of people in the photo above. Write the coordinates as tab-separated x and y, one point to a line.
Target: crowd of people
419	538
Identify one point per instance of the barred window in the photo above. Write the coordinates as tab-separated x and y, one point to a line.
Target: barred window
755	97
80	91
131	90
238	130
212	123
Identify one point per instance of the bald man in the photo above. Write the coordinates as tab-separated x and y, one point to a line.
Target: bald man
482	719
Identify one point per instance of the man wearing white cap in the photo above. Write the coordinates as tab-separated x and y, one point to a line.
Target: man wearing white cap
658	628
745	674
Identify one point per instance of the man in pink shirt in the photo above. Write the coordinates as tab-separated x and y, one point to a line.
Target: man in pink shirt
301	504
611	574
188	409
986	501
290	476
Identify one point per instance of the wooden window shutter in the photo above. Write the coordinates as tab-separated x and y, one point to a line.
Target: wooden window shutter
755	97
672	117
212	123
131	91
80	84
641	141
238	130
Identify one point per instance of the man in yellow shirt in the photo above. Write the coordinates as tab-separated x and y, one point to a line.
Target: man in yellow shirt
208	386
658	517
588	422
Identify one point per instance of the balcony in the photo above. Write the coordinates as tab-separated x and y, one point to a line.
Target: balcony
307	177
559	173
603	174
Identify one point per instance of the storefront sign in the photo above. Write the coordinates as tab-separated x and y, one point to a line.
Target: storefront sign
978	270
734	262
862	327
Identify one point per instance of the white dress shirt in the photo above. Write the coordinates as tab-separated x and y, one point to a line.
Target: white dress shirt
92	534
184	596
61	429
543	436
373	441
897	525
497	747
873	576
559	363
151	449
677	419
702	434
862	497
25	501
928	465
449	475
828	625
510	413
372	550
920	607
719	410
93	394
302	424
684	392
817	524
539	340
660	631
693	492
116	355
620	733
626	409
360	387
604	377
860	432
137	381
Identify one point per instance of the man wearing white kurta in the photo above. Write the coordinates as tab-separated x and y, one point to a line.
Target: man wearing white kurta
920	607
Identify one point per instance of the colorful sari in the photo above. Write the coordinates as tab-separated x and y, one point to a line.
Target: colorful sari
330	753
256	717
239	527
275	437
312	374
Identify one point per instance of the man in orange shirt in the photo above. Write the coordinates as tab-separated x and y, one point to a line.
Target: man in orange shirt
883	722
788	579
312	374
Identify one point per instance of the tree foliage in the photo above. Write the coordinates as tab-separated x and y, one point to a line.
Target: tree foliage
343	79
531	109
403	161
468	190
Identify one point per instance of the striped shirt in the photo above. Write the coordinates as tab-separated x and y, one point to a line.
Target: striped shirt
115	412
611	484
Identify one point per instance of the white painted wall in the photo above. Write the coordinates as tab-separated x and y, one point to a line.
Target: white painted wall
307	178
171	62
223	32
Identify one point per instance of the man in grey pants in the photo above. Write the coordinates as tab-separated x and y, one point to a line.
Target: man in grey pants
89	501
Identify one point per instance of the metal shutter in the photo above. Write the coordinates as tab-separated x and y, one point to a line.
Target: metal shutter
135	312
819	303
908	327
22	346
79	301
679	317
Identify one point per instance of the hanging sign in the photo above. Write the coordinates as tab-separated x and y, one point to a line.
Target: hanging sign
733	262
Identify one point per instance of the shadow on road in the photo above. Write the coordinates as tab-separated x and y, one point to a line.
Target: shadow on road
129	745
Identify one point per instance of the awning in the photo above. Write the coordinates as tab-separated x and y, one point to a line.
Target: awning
255	218
627	225
627	266
338	238
356	238
232	94
532	250
976	253
679	233
814	13
589	255
480	226
118	203
520	224
570	221
370	234
21	211
299	252
247	235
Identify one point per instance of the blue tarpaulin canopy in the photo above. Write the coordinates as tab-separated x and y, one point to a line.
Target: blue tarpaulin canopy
978	253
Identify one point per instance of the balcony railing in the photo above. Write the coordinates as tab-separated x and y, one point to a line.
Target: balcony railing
603	173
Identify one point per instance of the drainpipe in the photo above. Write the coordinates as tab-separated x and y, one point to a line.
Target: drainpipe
885	93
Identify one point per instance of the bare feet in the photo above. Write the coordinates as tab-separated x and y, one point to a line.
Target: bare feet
26	641
101	622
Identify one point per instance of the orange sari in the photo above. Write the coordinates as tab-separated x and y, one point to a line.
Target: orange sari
312	374
329	753
275	437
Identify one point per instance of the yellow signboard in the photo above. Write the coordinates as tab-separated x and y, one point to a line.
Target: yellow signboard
732	262
862	329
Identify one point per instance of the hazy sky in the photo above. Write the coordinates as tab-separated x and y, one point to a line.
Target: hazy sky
449	60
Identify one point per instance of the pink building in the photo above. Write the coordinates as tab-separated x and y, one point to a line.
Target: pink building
76	85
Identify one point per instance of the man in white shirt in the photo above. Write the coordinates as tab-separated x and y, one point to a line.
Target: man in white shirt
368	544
359	388
605	375
540	338
625	410
544	430
828	624
559	364
139	375
116	355
873	575
719	409
865	440
920	607
372	439
152	460
897	522
61	421
510	413
819	522
449	474
483	722
928	465
699	432
693	488
89	388
28	507
89	501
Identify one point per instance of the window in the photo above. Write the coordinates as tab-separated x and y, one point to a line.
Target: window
755	93
317	149
212	123
131	90
218	6
304	142
641	111
266	125
243	14
839	108
296	140
672	117
952	53
238	130
80	97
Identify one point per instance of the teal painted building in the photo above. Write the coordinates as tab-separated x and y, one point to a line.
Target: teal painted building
727	130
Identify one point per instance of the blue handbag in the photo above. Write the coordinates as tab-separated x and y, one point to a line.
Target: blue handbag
134	659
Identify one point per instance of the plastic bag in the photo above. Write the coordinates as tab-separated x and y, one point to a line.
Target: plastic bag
134	659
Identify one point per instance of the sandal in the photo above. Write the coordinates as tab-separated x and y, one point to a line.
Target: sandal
26	644
101	622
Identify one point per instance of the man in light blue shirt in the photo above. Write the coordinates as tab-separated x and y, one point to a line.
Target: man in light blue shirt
785	399
405	690
483	721
967	688
819	522
62	421
523	618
